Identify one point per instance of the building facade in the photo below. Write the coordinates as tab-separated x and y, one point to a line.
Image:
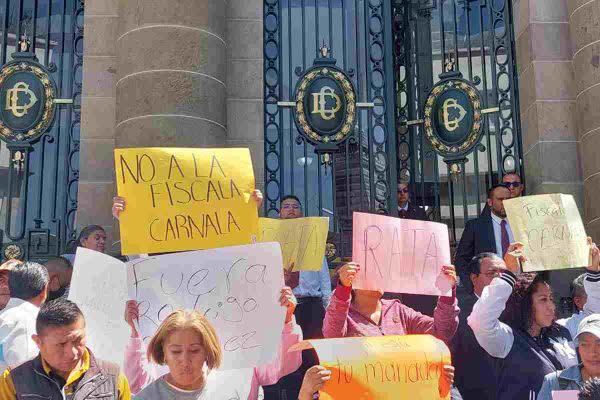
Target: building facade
208	73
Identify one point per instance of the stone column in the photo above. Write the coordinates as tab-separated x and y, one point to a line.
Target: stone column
547	100
547	97
171	86
245	80
96	166
584	22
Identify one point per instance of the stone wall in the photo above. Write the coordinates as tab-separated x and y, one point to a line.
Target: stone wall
96	177
584	24
547	97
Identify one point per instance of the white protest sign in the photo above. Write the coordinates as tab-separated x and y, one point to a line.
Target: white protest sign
236	288
99	288
233	384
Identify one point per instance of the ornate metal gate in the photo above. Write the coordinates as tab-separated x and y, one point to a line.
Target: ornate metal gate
38	179
393	51
474	37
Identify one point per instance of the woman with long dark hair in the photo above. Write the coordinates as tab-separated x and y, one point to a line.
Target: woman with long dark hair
514	321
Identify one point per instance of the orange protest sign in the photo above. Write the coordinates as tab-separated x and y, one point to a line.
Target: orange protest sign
383	367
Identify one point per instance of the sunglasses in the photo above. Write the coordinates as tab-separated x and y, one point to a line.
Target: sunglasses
513	184
402	190
290	206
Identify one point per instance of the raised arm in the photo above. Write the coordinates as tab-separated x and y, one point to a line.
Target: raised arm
286	362
335	323
444	323
495	337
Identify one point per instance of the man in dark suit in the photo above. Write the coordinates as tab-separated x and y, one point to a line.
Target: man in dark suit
406	209
489	233
474	372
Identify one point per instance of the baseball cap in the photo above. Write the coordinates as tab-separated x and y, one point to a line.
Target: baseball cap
590	324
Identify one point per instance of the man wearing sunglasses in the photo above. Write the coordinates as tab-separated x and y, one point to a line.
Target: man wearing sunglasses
406	209
514	184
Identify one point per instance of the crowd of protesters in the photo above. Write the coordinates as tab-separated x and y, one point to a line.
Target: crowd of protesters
500	324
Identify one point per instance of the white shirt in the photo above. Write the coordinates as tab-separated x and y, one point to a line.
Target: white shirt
405	208
17	324
497	221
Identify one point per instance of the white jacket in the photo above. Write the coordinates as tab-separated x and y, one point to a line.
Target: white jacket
17	324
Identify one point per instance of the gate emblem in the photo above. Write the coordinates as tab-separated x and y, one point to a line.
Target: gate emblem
27	94
12	99
320	103
453	117
324	104
452	124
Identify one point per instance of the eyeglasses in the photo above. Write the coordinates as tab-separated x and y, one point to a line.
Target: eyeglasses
402	190
513	184
290	206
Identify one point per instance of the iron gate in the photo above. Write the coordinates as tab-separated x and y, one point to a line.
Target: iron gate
476	38
38	184
394	51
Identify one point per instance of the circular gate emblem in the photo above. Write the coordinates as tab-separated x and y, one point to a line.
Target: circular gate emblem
453	121
27	96
325	105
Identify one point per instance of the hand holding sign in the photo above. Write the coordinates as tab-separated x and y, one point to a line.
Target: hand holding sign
550	228
237	288
314	379
380	367
184	199
594	259
347	273
514	258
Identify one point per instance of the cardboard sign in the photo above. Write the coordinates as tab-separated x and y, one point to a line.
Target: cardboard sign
565	394
99	288
400	255
383	367
550	227
185	199
233	384
236	288
302	240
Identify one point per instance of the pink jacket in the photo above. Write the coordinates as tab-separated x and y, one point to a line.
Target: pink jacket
140	372
342	320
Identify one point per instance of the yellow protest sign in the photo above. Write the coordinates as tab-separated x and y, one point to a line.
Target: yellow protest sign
302	240
383	367
185	199
550	228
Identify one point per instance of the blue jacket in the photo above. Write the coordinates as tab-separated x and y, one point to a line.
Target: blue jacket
568	379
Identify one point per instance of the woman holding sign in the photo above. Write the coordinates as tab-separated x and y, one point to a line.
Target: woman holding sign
514	321
364	313
142	374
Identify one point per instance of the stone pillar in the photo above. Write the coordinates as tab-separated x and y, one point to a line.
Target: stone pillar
245	80
547	100
96	167
171	85
584	22
547	97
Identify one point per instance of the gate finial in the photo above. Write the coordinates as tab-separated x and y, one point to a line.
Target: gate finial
24	44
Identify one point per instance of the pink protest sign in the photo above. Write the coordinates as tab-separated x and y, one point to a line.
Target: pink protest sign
400	255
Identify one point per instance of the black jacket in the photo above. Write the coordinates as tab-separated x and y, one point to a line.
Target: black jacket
478	237
414	212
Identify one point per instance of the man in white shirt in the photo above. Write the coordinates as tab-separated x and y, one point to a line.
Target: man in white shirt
28	283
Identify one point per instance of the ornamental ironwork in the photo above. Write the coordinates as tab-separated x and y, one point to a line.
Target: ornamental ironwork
453	118
325	104
27	94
